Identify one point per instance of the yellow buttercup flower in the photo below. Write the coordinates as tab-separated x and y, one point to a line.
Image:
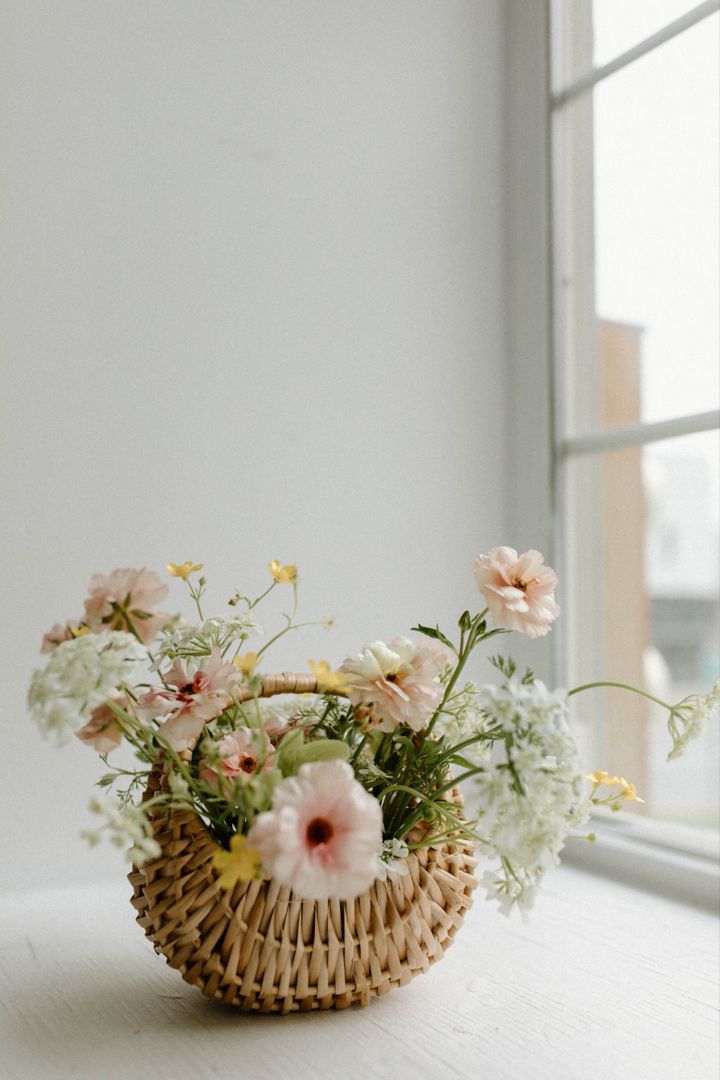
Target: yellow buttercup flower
284	575
246	663
627	792
329	681
599	777
240	863
183	570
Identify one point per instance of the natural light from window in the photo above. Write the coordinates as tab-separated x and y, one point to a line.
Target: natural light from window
637	189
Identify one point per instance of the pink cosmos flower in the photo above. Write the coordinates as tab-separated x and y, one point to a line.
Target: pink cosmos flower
126	601
102	731
242	753
396	684
518	589
200	694
323	834
57	635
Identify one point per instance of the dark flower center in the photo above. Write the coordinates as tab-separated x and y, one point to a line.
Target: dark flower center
319	831
248	764
391	677
520	584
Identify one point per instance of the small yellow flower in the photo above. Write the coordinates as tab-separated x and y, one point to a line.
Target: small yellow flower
329	681
240	863
246	663
79	631
284	575
599	777
183	570
627	792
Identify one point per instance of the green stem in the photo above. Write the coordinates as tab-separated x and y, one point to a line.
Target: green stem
359	749
484	736
196	599
464	653
254	603
285	630
621	686
458	780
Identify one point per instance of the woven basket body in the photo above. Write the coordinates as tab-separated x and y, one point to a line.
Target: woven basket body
260	947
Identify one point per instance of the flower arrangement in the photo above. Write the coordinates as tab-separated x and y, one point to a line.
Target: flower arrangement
329	791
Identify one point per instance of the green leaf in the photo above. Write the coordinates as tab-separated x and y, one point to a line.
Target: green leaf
290	745
504	664
324	750
436	633
294	752
494	633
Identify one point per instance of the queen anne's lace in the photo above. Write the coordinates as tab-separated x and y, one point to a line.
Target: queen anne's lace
688	718
80	675
532	793
392	860
217	632
127	826
461	720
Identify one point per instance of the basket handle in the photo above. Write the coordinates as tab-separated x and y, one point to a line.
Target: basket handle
287	683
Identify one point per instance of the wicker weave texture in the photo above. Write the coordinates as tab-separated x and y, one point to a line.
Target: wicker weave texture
260	947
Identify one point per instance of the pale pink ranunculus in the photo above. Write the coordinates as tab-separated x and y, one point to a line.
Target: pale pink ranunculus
394	684
241	754
135	594
193	695
323	834
518	589
102	731
57	635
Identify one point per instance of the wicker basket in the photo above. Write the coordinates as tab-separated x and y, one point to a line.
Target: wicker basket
262	948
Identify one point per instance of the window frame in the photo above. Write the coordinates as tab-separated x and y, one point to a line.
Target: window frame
653	854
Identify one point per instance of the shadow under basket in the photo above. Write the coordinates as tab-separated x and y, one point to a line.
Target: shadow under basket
260	947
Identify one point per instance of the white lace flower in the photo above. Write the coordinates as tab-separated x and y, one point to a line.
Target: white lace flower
532	792
215	633
461	720
128	825
392	860
80	675
688	719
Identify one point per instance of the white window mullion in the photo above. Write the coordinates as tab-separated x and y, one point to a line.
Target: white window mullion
618	438
666	33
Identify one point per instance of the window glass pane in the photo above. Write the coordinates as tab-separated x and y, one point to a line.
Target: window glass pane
643	607
640	288
620	24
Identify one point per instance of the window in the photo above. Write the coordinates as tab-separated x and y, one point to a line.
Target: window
635	119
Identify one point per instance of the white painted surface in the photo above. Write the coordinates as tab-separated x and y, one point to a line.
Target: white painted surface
605	981
253	307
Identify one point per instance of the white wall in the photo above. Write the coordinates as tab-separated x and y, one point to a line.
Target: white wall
253	307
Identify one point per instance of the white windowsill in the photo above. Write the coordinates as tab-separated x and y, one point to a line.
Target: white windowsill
605	980
670	860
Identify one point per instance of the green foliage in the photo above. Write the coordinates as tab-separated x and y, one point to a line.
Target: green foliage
507	667
436	633
293	752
